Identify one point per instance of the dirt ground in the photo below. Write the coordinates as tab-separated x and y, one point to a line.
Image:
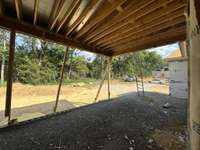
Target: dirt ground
127	122
33	101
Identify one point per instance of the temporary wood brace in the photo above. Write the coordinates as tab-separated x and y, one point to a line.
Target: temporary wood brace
107	74
109	71
61	78
10	75
101	84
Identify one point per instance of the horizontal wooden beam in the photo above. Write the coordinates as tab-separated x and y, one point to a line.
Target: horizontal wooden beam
170	36
106	12
141	25
42	33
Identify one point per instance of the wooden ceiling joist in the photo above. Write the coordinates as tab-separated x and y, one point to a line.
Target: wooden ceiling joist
139	37
108	27
81	17
139	26
1	8
140	10
60	10
119	8
54	11
167	33
151	44
148	28
106	12
18	7
160	39
131	9
36	5
143	12
74	4
149	32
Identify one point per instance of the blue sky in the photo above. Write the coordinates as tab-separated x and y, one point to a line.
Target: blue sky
164	51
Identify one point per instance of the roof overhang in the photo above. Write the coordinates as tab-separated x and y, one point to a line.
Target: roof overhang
108	27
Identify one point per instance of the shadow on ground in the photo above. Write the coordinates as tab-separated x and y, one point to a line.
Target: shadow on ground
128	122
38	110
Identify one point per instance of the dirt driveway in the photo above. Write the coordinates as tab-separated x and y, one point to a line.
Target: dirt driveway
32	101
127	122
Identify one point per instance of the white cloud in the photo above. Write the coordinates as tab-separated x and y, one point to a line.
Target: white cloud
87	55
165	50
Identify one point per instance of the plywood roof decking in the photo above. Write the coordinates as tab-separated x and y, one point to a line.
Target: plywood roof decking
108	27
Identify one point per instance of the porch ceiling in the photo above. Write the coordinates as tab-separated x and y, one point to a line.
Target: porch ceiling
108	27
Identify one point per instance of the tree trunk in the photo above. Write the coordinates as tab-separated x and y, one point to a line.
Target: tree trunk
3	58
70	65
102	67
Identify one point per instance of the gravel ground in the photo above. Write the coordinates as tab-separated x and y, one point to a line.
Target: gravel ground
128	122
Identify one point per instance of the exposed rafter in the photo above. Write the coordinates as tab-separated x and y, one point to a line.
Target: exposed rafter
61	9
18	7
197	10
1	8
153	43
119	8
74	4
131	9
81	17
97	19
143	12
154	37
149	32
36	5
54	11
108	27
140	27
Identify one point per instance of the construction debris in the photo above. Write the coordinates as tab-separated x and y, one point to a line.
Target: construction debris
167	105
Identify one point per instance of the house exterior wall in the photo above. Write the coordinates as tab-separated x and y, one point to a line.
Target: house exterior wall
178	79
194	59
160	74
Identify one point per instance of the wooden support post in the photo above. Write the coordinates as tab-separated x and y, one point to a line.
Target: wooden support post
101	84
61	78
136	79
10	75
142	81
194	66
109	71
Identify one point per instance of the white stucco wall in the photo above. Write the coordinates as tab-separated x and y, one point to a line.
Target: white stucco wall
178	79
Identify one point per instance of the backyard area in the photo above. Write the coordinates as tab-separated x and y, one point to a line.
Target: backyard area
31	101
127	122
